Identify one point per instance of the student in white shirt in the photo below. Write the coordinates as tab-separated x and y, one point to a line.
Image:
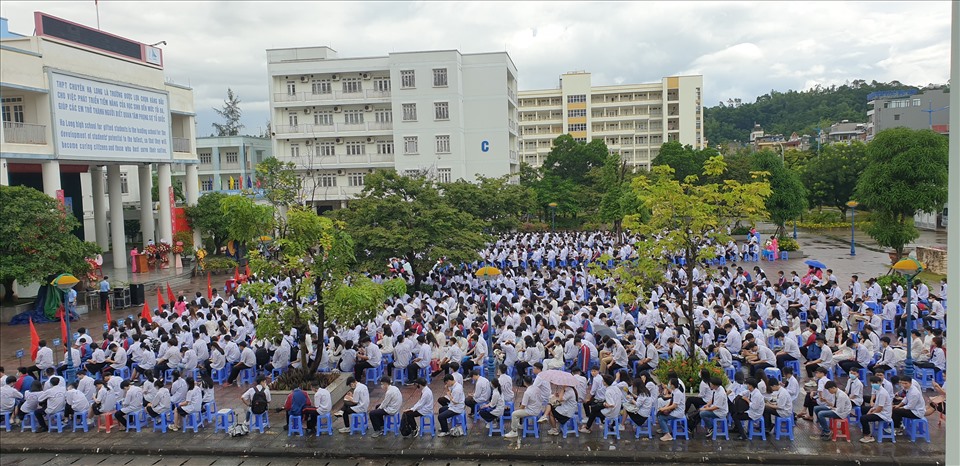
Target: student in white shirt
840	409
454	408
391	404
358	401
912	405
882	409
673	410
422	407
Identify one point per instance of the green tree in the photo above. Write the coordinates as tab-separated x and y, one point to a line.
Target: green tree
684	160
245	219
570	159
207	217
496	201
282	187
906	173
37	240
231	115
789	197
683	214
177	190
832	176
401	216
617	199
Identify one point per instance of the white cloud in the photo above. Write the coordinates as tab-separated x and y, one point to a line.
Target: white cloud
743	49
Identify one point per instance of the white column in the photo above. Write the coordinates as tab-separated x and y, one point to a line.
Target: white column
192	187
953	245
51	178
163	179
118	239
99	207
145	177
4	179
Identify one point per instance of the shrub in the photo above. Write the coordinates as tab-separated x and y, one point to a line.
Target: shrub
740	231
789	244
186	237
688	370
530	227
220	263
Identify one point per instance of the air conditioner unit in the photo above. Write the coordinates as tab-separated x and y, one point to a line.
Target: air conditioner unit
365	75
304	79
337	109
339	172
368	108
370	170
369	140
306	111
339	140
335	77
309	142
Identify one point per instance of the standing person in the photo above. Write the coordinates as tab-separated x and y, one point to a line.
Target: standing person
355	402
423	406
391	404
456	406
104	293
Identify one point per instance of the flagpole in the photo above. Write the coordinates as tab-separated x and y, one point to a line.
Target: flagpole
96	3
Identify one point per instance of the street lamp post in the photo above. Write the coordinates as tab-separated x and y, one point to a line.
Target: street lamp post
65	282
553	216
853	222
488	274
910	268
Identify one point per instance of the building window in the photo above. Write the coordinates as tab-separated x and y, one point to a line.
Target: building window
578	127
383	116
443	144
916	102
124	187
232	157
327	149
352	85
583	140
356	148
576	98
439	77
206	185
441	110
444	175
409	112
353	117
327	180
13	109
410	145
408	79
381	84
206	158
578	112
294	150
291	88
412	173
321	86
292	119
356	178
896	117
324	118
384	147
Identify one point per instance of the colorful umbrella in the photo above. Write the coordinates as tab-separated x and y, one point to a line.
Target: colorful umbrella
65	281
817	264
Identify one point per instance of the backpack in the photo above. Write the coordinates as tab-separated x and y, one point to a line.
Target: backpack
258	403
238	430
457	432
406	428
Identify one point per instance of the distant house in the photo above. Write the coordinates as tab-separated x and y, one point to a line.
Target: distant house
846	132
908	109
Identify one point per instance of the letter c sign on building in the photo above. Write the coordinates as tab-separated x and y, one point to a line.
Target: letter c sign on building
485	146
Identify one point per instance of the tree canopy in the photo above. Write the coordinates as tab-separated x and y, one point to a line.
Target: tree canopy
245	219
208	218
788	199
231	114
503	205
37	240
832	176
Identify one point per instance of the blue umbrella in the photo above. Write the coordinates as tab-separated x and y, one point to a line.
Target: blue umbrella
817	264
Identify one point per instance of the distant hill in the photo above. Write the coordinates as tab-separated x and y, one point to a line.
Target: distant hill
786	112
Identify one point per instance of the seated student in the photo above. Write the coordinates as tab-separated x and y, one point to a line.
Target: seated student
911	407
297	404
716	407
422	407
160	405
322	401
755	405
191	403
481	391
132	402
31	403
674	409
391	404
780	406
563	407
357	401
454	408
840	409
493	409
531	405
815	396
9	395
882	409
612	404
75	402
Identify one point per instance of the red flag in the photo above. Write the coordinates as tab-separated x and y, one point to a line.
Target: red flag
34	341
109	317
248	271
170	295
236	276
63	330
145	313
209	288
160	302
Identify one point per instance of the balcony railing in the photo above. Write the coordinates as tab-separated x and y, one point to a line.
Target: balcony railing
335	95
181	145
24	133
334	128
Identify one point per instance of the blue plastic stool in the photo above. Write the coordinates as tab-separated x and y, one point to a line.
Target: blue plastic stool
917	428
570	426
358	423
646	428
123	373
757	428
496	427
399	375
795	365
784	256
168	376
79	422
220	376
247	377
678	428
7	417
459	420
530	426
133	421
783	427
888	374
324	424
163	422
880	427
29	422
611	426
925	377
854	417
425	425
192	421
424	372
721	426
391	423
260	422
773	373
55	422
888	326
371	376
731	372
295	426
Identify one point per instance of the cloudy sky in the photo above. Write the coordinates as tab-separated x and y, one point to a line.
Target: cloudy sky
743	49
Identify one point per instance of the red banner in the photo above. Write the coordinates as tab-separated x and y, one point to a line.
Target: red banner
173	214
